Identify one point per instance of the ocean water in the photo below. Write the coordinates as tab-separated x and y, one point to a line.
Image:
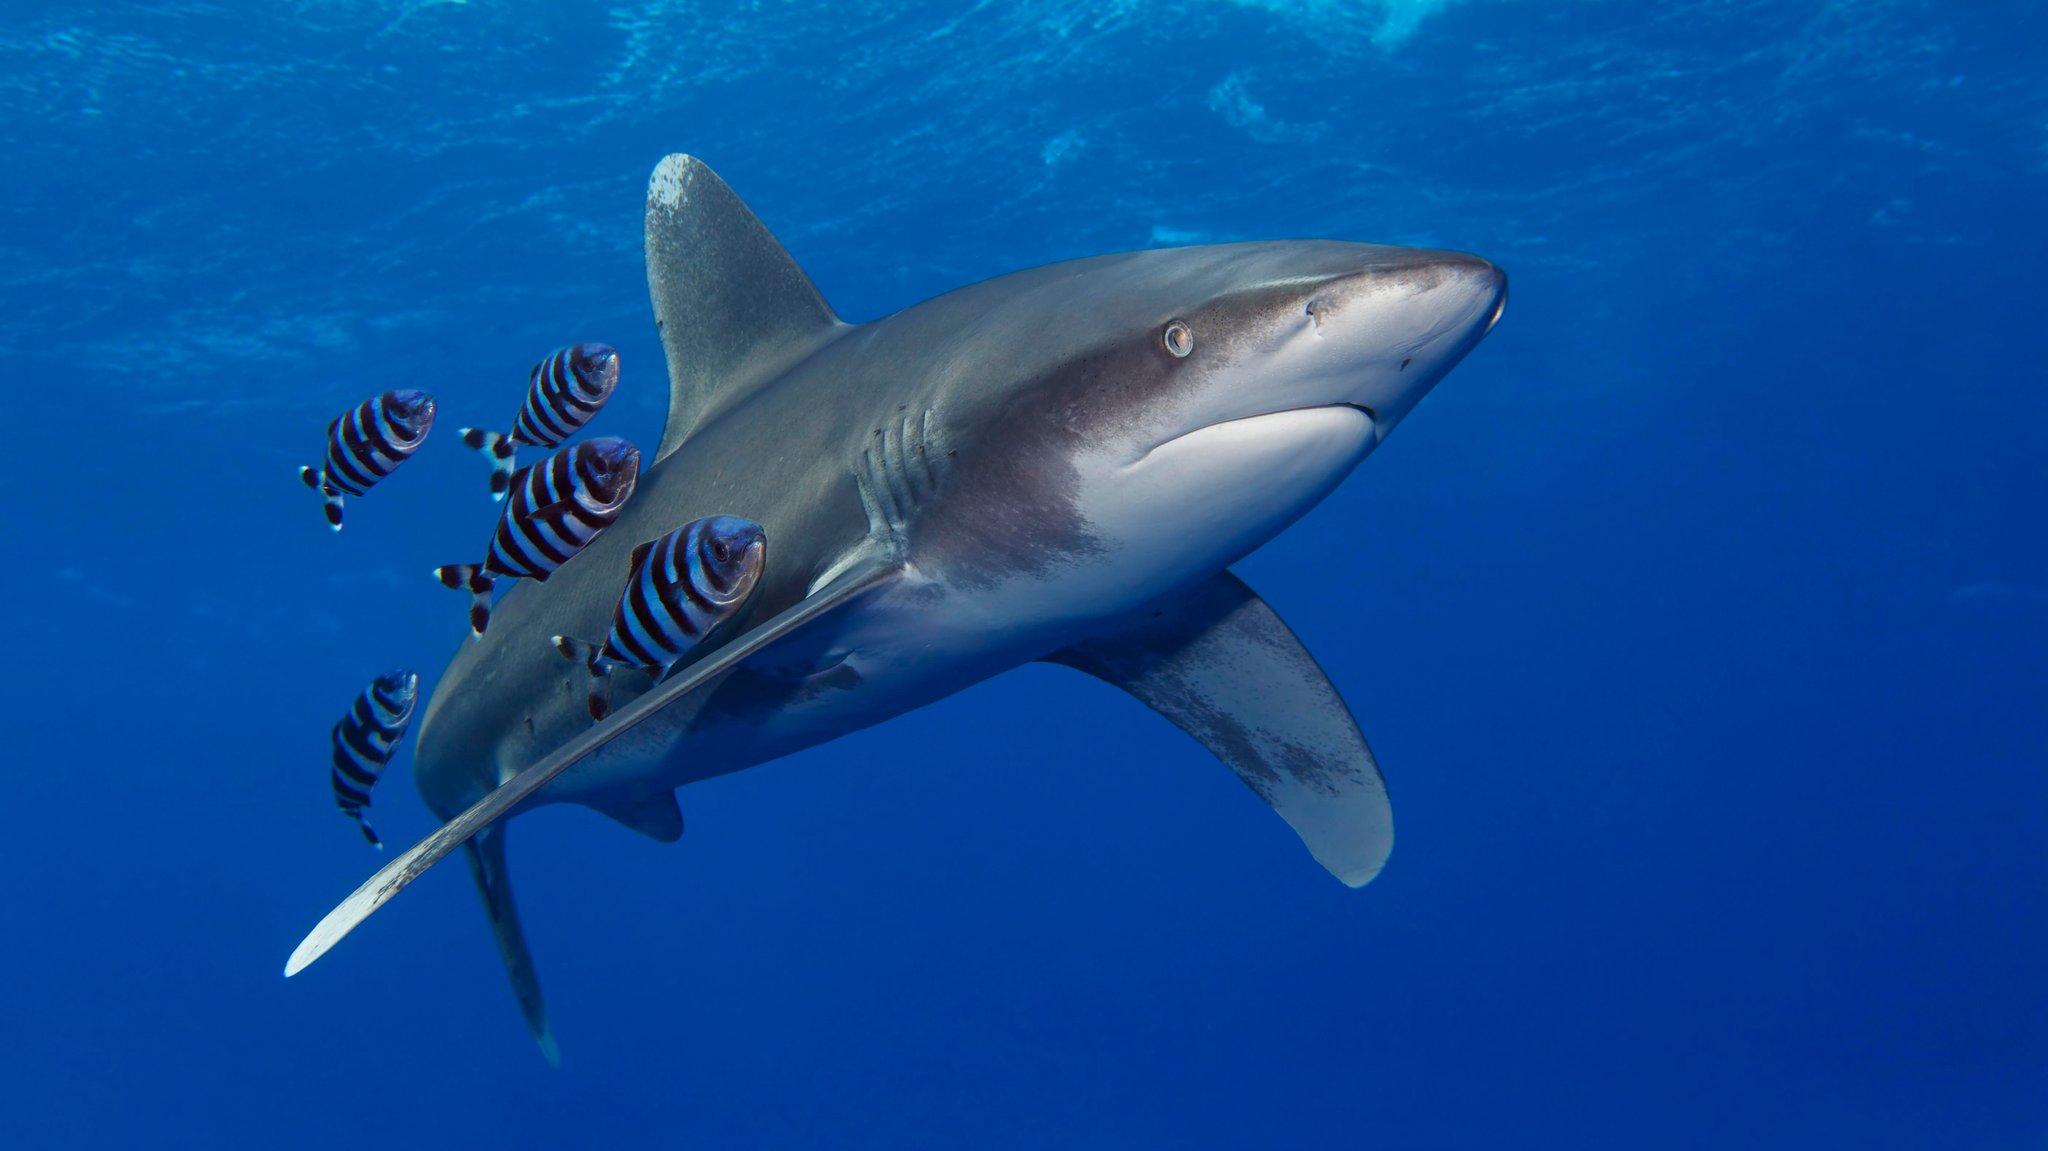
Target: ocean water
1698	620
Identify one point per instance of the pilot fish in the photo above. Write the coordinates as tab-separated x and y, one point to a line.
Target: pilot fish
367	443
557	507
681	586
366	737
563	392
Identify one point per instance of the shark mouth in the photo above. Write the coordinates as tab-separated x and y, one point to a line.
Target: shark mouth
1262	422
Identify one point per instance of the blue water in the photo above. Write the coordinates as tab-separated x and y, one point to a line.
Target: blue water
1698	619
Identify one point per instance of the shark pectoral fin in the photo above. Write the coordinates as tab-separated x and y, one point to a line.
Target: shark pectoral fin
658	817
733	308
487	863
1220	664
846	586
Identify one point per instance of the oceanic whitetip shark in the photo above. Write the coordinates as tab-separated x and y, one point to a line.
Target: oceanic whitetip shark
1055	465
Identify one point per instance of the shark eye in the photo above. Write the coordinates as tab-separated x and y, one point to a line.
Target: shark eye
1179	339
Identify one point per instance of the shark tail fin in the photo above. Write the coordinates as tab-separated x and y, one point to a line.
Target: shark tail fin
499	449
1222	666
592	658
478	582
733	308
330	500
487	863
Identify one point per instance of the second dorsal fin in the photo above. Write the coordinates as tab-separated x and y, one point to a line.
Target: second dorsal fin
733	308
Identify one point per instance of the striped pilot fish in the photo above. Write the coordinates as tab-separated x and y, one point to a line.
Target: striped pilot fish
681	587
557	507
365	739
562	393
367	443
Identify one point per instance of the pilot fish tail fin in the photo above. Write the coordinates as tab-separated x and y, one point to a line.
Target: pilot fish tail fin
733	308
478	582
330	500
1222	666
501	451
592	658
486	855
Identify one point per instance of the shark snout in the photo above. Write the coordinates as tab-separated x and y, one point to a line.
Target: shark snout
1473	293
1403	325
1486	283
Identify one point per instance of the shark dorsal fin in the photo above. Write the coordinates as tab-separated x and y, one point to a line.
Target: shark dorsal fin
733	308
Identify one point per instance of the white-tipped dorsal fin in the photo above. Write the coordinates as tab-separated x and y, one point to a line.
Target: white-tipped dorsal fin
733	308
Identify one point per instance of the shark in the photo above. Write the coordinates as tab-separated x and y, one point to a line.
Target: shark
1056	465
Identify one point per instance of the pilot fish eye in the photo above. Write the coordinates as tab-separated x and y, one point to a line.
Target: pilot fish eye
721	552
1178	338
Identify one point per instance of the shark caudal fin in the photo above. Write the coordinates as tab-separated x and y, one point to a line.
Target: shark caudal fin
733	308
330	500
487	863
1223	667
478	582
502	453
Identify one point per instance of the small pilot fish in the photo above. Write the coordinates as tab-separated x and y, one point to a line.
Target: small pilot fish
558	506
562	393
365	739
367	443
681	586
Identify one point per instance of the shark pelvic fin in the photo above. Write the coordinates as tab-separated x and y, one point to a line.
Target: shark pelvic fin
846	586
1223	667
733	308
487	863
658	817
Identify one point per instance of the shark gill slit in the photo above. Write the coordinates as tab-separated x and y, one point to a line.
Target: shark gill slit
899	472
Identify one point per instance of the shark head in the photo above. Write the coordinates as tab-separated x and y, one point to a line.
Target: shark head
1205	398
1322	325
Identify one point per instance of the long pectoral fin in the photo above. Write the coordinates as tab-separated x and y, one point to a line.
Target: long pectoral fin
409	866
487	863
1219	663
